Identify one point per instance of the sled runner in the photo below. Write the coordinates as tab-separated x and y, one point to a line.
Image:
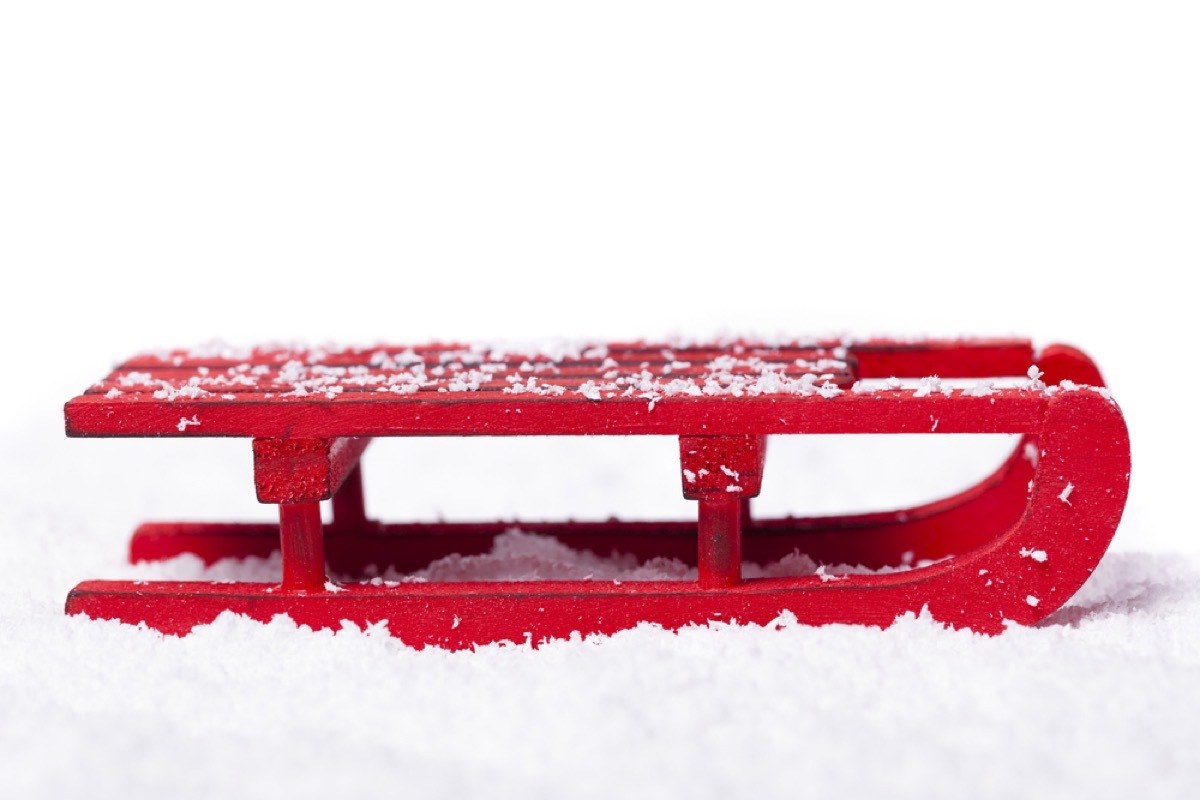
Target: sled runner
1014	547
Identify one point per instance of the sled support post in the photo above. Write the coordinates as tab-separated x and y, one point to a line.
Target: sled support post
303	547
720	546
349	508
304	470
722	473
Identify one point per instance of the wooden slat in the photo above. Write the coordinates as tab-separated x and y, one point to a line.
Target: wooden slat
601	372
1005	411
983	358
434	352
759	389
569	377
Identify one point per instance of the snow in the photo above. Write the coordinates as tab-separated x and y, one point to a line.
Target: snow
590	390
825	576
172	392
1035	383
928	386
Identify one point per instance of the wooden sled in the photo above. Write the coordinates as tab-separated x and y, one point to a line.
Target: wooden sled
1015	547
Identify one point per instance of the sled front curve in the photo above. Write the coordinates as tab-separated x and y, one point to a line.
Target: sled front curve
1021	543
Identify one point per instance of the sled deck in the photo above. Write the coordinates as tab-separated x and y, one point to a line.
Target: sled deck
1015	547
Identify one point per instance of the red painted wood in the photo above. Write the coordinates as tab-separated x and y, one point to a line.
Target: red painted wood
497	376
437	353
349	505
303	470
721	466
303	546
1060	362
1084	443
309	394
720	542
984	358
1020	543
433	354
901	411
721	473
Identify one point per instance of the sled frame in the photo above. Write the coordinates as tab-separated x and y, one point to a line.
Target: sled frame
1014	548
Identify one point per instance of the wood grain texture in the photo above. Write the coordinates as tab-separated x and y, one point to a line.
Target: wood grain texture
722	466
900	411
460	390
303	470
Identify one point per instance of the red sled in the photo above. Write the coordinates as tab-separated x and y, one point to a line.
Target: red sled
1014	548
